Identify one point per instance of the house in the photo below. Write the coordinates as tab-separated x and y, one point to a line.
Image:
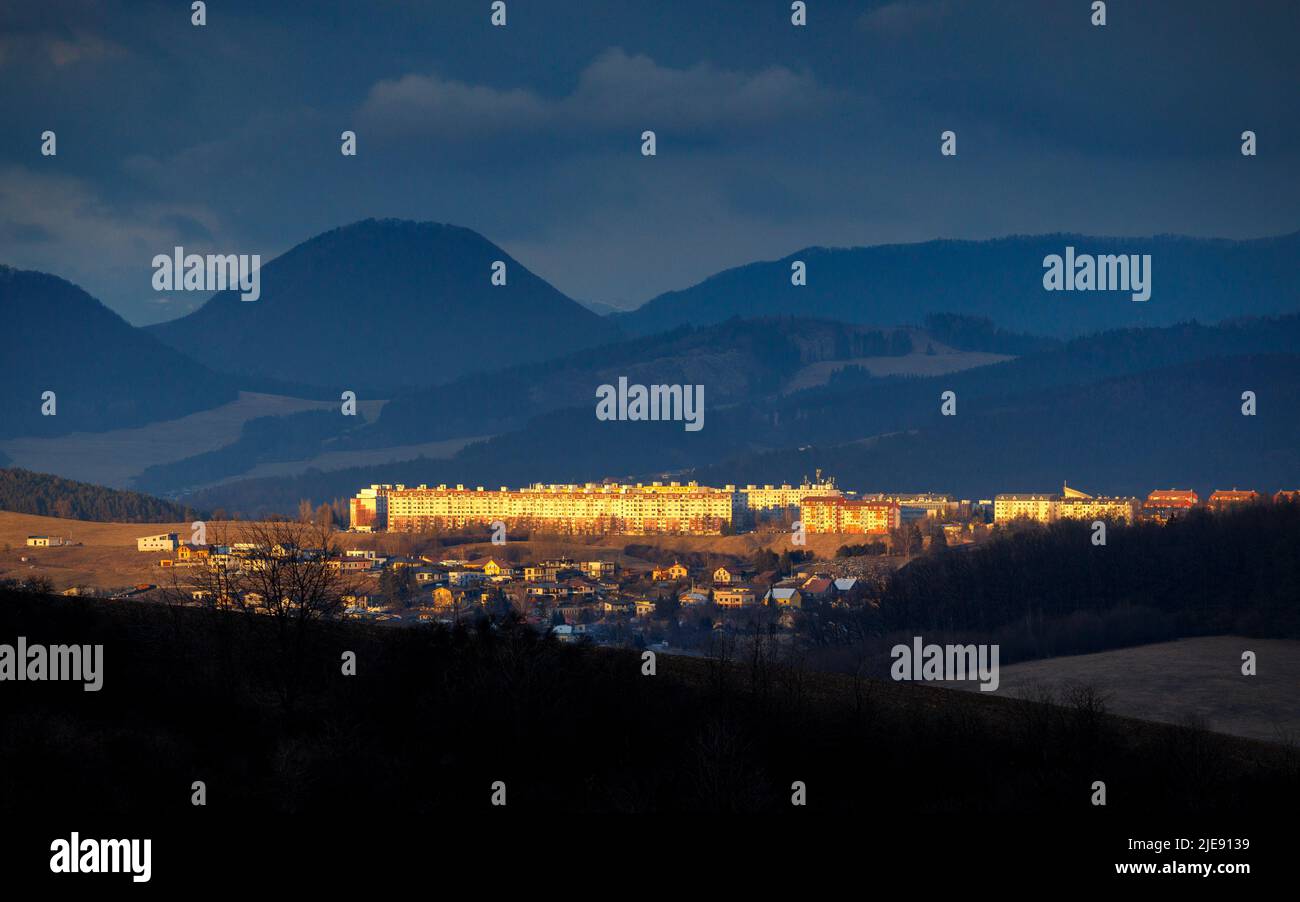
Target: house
191	553
597	570
816	588
785	597
645	607
571	612
673	573
845	584
492	568
723	576
734	597
342	565
695	596
166	541
46	541
618	606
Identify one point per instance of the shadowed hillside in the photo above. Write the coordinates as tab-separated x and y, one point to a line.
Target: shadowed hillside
433	717
1207	279
104	373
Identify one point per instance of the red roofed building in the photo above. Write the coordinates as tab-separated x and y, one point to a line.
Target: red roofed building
1222	499
1176	499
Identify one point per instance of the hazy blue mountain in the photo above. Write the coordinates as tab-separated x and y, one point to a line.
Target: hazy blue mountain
382	304
738	360
105	374
1105	411
1179	426
1192	278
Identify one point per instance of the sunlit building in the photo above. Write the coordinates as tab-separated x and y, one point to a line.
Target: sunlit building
841	515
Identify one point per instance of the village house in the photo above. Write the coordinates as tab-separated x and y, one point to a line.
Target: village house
734	597
693	597
723	576
785	597
670	574
618	606
815	589
597	570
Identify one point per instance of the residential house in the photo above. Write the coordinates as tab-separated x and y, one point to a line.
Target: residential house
734	597
670	574
783	596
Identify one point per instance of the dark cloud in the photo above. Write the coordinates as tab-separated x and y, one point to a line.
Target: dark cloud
771	138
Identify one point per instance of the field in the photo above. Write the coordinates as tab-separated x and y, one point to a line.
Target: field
113	458
944	360
1188	680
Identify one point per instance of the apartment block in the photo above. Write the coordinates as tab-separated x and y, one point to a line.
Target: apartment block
842	515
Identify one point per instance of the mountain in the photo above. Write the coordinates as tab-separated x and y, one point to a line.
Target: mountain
383	304
736	360
25	492
1103	410
1191	278
104	373
1179	426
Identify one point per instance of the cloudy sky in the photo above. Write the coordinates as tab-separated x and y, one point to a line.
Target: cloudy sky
225	138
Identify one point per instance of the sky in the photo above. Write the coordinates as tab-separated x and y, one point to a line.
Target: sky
770	138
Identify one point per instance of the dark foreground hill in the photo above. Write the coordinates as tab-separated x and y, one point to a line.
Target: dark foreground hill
1002	279
433	717
104	373
381	304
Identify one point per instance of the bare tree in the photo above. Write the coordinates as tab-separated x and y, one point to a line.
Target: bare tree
290	572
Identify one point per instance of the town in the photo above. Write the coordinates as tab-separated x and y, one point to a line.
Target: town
565	558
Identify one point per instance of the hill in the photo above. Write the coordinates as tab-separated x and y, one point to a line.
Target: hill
1178	426
1192	278
263	715
25	492
382	304
104	373
1054	407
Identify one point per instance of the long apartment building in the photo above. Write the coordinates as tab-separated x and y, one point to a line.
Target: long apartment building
842	515
657	508
1071	504
763	499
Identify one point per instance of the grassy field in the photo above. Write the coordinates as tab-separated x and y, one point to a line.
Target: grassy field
113	458
1189	680
944	360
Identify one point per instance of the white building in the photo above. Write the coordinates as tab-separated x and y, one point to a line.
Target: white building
164	542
